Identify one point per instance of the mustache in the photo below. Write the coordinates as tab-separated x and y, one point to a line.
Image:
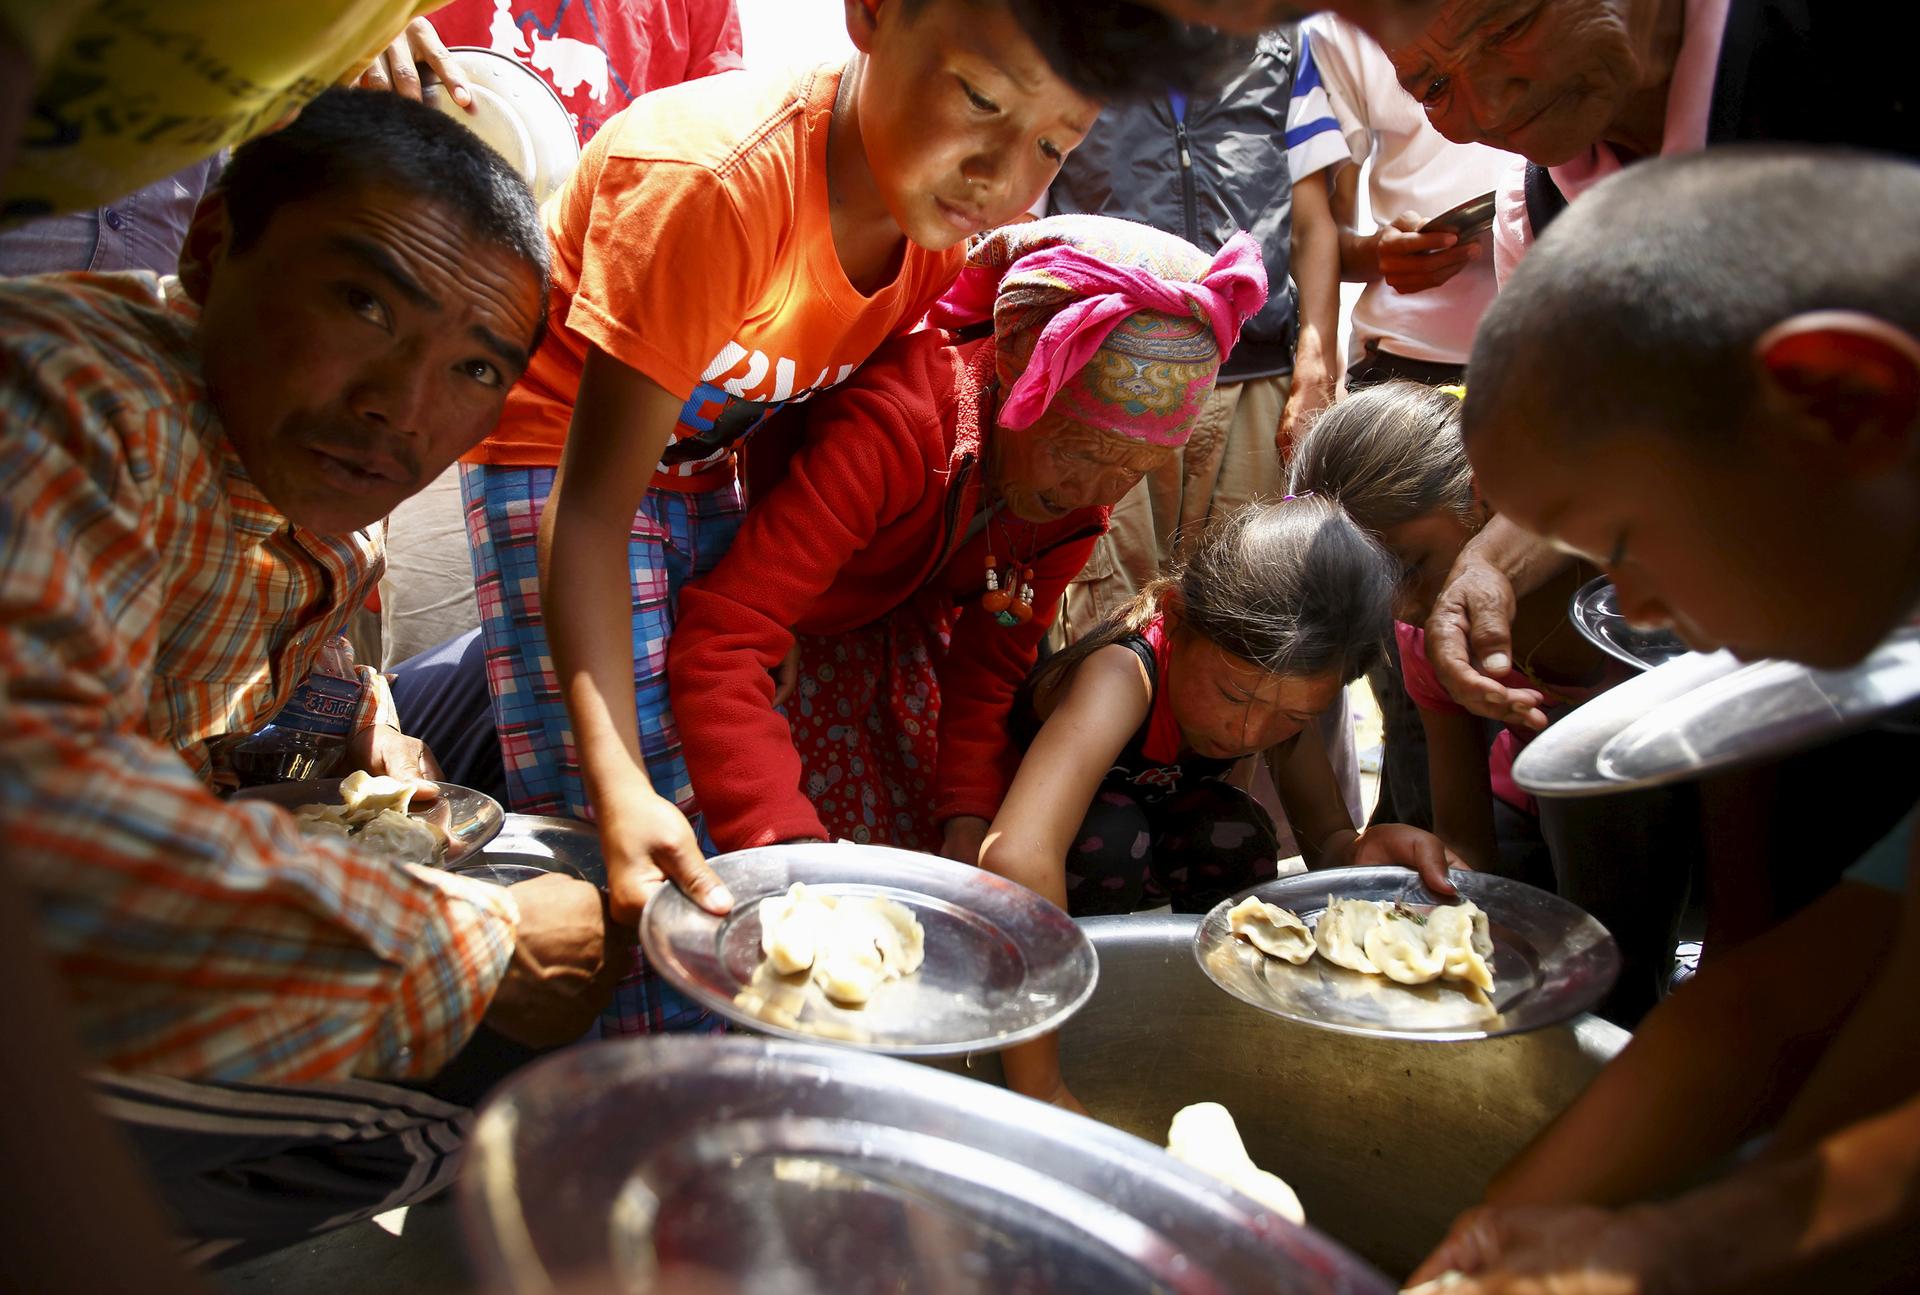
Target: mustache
345	437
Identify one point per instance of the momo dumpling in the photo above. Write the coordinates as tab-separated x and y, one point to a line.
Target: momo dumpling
1205	1136
1458	934
885	927
1271	929
791	928
365	795
1397	945
852	944
392	835
1341	933
321	820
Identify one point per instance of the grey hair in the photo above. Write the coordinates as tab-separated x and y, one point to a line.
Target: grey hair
1388	454
1639	309
1296	588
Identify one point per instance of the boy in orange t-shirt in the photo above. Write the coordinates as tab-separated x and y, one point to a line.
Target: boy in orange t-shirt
725	247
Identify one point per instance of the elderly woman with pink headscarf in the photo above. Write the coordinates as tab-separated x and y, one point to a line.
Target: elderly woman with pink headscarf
915	550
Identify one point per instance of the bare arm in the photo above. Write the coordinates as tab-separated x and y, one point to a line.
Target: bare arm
1842	1216
1315	266
1359	262
1327	838
1097	710
622	421
1712	1064
1874	1062
1462	786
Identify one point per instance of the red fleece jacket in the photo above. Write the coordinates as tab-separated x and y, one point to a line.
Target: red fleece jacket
866	521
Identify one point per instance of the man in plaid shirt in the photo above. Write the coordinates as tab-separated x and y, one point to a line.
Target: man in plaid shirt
192	466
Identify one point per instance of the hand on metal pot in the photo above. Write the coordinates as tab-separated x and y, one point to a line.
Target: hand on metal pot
1395	844
567	957
1546	1250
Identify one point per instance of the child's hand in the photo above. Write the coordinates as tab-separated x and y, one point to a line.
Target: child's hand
648	842
962	837
1408	847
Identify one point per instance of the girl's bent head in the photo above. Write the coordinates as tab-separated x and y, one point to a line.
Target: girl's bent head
1392	457
1275	608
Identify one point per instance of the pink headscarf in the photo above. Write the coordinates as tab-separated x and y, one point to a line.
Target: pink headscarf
1076	278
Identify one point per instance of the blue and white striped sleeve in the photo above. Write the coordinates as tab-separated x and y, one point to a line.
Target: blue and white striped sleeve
1314	139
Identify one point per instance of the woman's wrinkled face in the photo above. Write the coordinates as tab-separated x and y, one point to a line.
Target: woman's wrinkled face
1424	549
1227	707
1056	466
1541	78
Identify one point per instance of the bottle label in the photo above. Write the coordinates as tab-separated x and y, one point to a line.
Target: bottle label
323	704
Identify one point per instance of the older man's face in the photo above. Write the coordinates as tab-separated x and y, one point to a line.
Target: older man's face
360	345
1387	21
1542	78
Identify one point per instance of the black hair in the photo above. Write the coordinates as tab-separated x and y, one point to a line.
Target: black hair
1295	587
348	138
1388	454
1117	51
1640	306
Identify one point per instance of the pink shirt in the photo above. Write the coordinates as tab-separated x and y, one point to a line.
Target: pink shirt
1689	102
1424	686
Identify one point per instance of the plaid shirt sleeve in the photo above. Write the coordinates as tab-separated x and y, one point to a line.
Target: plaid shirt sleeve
196	938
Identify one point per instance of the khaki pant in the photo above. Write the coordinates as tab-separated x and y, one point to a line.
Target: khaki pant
1230	460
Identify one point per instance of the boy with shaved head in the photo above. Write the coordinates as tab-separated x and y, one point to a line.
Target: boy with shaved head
1690	383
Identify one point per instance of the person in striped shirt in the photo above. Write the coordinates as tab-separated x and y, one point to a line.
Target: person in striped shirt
194	469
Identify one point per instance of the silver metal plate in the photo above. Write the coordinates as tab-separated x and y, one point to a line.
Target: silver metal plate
1551	961
679	1164
1707	713
516	112
1002	964
468	819
1595	612
558	844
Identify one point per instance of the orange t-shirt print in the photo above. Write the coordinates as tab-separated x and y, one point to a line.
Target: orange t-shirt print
694	245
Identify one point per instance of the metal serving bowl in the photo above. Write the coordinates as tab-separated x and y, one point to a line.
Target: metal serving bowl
1385	1141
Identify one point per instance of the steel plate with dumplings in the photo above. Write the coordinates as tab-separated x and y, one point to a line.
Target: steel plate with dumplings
1551	961
468	819
1002	964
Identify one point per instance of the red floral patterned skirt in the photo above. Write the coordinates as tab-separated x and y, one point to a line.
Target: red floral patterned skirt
865	716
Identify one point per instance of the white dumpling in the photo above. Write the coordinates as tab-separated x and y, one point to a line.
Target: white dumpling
853	945
1341	933
791	929
1273	930
393	835
321	820
365	795
908	947
1397	945
1204	1136
1458	934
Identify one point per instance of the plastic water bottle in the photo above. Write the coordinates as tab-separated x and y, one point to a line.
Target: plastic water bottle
305	739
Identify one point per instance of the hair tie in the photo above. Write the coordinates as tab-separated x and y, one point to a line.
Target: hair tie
1304	494
1458	391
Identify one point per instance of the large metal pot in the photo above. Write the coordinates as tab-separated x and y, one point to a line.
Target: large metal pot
1385	1142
